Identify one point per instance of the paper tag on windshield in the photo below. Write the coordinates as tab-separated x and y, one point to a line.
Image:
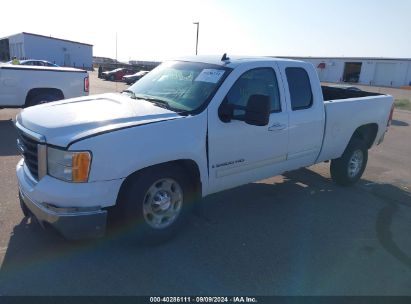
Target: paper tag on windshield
210	75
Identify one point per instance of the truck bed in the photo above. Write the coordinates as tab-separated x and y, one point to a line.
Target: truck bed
21	84
344	115
333	93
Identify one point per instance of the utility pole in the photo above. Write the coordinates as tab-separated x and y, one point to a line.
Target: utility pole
198	26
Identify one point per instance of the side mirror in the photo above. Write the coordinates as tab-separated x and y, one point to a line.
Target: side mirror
257	111
226	112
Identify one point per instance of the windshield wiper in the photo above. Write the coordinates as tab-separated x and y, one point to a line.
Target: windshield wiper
132	94
159	102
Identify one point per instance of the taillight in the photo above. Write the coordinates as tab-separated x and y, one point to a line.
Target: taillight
390	117
86	84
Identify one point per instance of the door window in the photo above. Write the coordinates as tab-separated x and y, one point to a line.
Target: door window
261	81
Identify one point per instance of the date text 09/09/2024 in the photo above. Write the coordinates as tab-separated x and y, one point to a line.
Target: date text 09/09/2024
203	299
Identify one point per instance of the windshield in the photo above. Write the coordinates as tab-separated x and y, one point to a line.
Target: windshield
184	86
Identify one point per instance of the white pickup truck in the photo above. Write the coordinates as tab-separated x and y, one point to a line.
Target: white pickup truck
24	86
189	128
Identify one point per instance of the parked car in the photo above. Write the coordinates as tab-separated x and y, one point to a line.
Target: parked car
37	63
188	129
116	74
24	86
130	79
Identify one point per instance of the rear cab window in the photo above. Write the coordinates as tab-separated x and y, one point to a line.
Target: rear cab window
300	88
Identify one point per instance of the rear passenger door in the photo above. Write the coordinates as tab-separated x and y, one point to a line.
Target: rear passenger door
306	113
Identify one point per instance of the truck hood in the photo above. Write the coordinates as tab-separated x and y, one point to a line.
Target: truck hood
63	122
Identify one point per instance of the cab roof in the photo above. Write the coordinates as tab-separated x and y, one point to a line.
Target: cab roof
233	61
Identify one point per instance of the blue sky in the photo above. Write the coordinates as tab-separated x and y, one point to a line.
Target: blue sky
160	29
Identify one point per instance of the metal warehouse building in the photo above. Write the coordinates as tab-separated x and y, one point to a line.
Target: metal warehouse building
59	51
390	72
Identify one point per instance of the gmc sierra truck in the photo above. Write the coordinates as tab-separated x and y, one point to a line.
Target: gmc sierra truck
24	86
189	128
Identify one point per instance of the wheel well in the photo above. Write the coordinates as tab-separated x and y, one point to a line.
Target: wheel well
188	166
37	91
367	133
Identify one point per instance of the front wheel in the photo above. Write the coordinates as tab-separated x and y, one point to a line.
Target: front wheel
155	204
348	169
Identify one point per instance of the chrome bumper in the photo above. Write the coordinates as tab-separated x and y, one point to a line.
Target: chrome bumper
74	225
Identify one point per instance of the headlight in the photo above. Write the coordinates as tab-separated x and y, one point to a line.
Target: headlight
71	166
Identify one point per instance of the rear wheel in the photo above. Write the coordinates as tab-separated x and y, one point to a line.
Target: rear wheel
348	169
154	204
42	98
112	77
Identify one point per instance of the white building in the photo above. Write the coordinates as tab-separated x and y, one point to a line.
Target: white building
390	72
59	51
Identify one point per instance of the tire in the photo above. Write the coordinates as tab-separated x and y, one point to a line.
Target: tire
42	98
112	78
348	169
154	205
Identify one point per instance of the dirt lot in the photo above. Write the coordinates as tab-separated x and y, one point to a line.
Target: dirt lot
98	86
296	234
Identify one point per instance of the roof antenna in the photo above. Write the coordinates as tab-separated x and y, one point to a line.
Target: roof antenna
225	58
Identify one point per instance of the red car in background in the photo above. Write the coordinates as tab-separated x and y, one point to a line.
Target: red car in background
116	74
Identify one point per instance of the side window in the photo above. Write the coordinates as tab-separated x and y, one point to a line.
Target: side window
300	88
260	81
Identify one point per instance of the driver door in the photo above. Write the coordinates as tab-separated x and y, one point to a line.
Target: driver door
240	153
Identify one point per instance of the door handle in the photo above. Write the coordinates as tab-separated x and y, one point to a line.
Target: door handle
277	127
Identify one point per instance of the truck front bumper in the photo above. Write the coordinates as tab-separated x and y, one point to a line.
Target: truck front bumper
73	212
78	224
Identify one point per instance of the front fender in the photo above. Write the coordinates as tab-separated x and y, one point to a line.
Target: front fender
118	154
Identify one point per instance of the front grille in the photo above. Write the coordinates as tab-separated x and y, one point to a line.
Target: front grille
28	148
